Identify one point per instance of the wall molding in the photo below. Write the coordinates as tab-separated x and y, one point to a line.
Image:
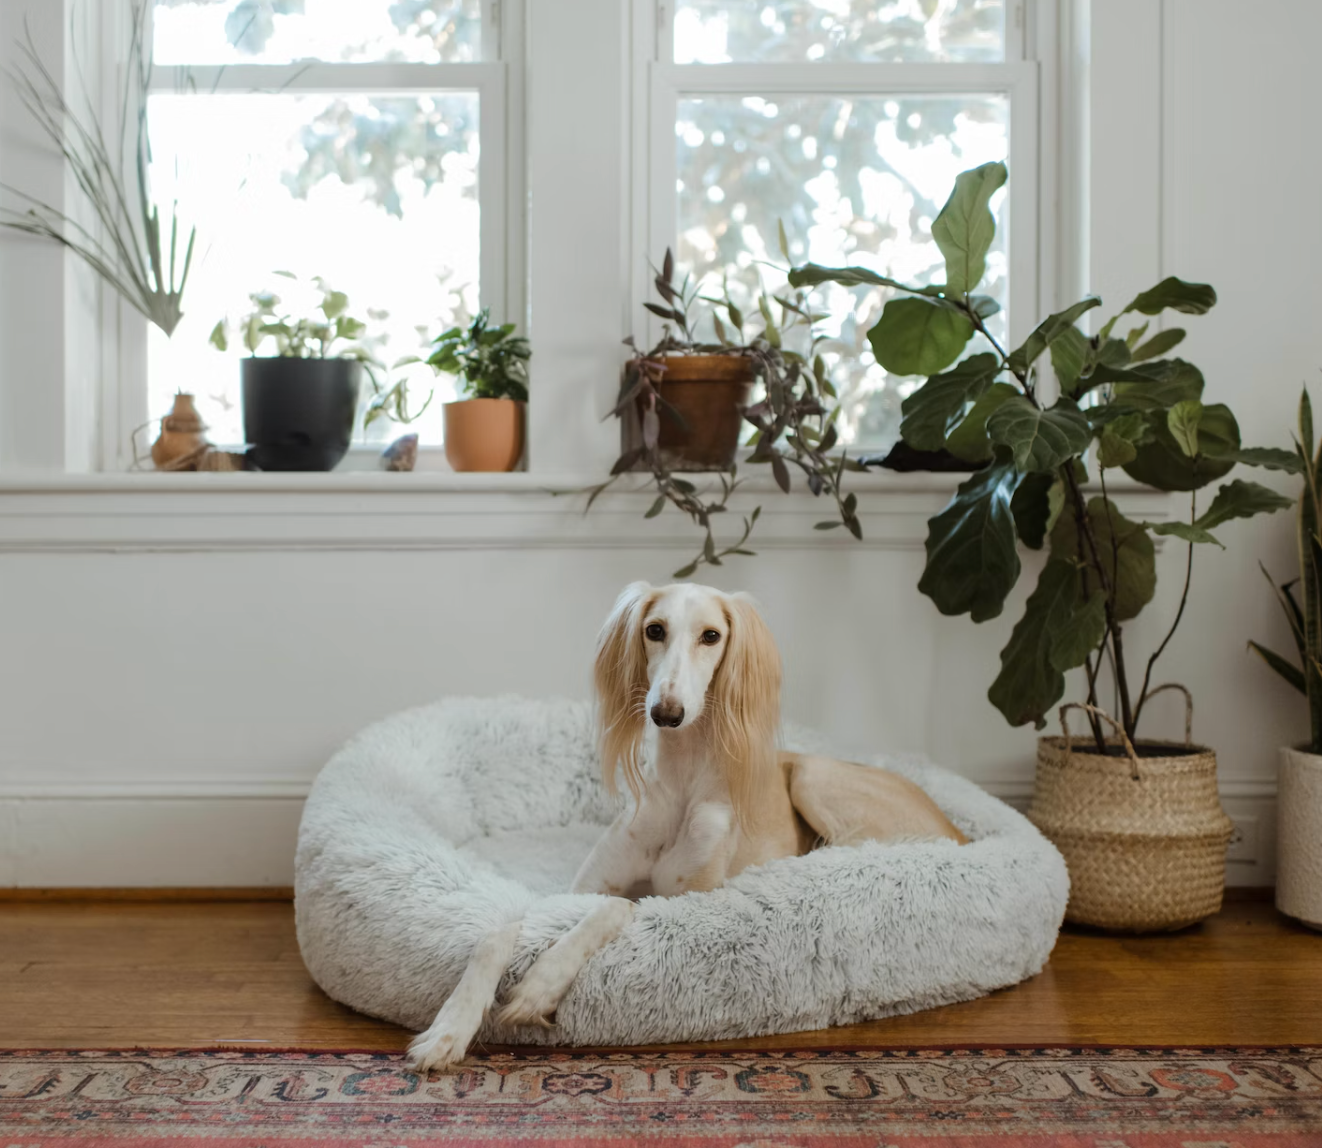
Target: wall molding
150	513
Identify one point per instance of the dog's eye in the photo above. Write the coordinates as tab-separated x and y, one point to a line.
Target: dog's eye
710	637
655	632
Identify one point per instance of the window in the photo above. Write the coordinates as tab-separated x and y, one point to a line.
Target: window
362	141
847	120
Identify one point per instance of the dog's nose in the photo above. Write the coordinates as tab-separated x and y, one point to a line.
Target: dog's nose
668	714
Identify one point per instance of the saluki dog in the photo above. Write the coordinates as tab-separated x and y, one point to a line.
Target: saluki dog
702	667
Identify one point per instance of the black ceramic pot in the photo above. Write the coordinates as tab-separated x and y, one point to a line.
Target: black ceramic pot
298	414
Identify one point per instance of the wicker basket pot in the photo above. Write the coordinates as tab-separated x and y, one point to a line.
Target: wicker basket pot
1142	832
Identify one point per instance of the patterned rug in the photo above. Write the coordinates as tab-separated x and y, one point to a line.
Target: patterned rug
965	1098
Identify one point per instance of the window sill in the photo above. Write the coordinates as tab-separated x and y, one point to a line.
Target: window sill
366	510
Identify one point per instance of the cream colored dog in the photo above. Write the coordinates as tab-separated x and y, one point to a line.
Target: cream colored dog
701	666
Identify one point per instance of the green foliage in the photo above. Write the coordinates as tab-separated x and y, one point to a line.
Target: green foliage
1119	402
331	334
490	362
1304	618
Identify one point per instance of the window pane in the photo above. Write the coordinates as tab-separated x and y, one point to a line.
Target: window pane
378	195
875	31
856	181
282	31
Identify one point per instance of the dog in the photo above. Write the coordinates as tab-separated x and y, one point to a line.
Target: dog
701	667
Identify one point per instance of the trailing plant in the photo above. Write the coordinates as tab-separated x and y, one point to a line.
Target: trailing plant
1304	617
127	246
1120	405
489	362
332	333
793	424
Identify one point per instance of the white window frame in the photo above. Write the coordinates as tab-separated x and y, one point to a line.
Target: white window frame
660	84
500	181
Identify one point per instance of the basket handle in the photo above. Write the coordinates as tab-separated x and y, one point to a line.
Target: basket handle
1188	706
1115	725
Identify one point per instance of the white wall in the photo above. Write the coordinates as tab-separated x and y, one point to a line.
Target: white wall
176	662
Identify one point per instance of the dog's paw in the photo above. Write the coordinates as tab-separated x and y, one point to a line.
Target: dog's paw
436	1049
529	1005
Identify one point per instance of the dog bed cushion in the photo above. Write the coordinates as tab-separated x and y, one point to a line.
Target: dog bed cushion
437	825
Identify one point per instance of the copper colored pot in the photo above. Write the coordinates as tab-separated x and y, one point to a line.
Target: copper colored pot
484	434
706	395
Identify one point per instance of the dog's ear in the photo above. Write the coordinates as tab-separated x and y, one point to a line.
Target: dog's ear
620	676
746	690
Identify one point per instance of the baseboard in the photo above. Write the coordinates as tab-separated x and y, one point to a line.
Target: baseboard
148	894
134	839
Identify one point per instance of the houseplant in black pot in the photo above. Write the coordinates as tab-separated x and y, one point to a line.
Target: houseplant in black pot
299	405
1139	821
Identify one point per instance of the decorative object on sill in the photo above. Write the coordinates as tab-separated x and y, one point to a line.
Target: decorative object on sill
299	406
683	402
1299	778
181	442
131	252
1121	405
484	431
401	455
222	461
1143	834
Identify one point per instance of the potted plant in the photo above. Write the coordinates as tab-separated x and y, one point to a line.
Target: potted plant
299	405
485	430
1139	821
683	403
1299	778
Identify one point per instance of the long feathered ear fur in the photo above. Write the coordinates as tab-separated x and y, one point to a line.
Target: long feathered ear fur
620	675
745	702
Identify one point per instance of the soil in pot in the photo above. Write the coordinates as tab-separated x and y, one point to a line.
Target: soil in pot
298	414
701	412
484	435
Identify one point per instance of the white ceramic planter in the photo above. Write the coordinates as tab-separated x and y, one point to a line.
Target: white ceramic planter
1299	836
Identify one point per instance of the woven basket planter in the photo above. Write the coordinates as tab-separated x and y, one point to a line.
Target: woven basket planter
1143	833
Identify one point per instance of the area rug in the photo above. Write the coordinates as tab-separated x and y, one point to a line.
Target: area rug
857	1098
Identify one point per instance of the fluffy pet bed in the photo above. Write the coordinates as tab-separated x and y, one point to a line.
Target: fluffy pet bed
436	825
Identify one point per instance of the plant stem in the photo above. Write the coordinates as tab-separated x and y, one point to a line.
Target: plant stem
1184	597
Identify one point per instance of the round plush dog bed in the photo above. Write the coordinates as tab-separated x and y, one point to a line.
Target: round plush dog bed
437	825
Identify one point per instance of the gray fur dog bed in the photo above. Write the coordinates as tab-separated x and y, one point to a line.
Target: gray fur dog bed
435	826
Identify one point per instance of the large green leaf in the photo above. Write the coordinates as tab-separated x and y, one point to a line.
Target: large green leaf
1240	499
1048	331
935	408
1163	463
1040	440
918	336
1158	345
1191	298
965	227
1124	549
969	440
1182	421
1267	457
812	275
1055	622
1189	531
972	561
1153	386
1032	507
1069	356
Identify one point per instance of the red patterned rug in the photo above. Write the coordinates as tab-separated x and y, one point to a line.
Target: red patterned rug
965	1098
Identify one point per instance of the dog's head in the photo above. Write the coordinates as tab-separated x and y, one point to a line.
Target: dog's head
681	656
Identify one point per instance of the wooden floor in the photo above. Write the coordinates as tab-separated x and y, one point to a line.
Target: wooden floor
96	974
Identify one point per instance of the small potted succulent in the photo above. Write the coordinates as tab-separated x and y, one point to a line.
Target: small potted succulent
484	431
1139	821
299	405
1299	779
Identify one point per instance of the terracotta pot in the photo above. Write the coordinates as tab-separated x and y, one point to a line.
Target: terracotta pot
181	442
1141	829
484	434
1299	836
702	409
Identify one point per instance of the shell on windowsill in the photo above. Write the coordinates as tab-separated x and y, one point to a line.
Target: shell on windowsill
401	455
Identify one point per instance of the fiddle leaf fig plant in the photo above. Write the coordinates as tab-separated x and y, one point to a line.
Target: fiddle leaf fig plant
1118	405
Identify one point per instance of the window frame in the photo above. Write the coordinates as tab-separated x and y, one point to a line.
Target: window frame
502	259
660	84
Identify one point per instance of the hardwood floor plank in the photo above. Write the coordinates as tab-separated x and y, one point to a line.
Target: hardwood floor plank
124	973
